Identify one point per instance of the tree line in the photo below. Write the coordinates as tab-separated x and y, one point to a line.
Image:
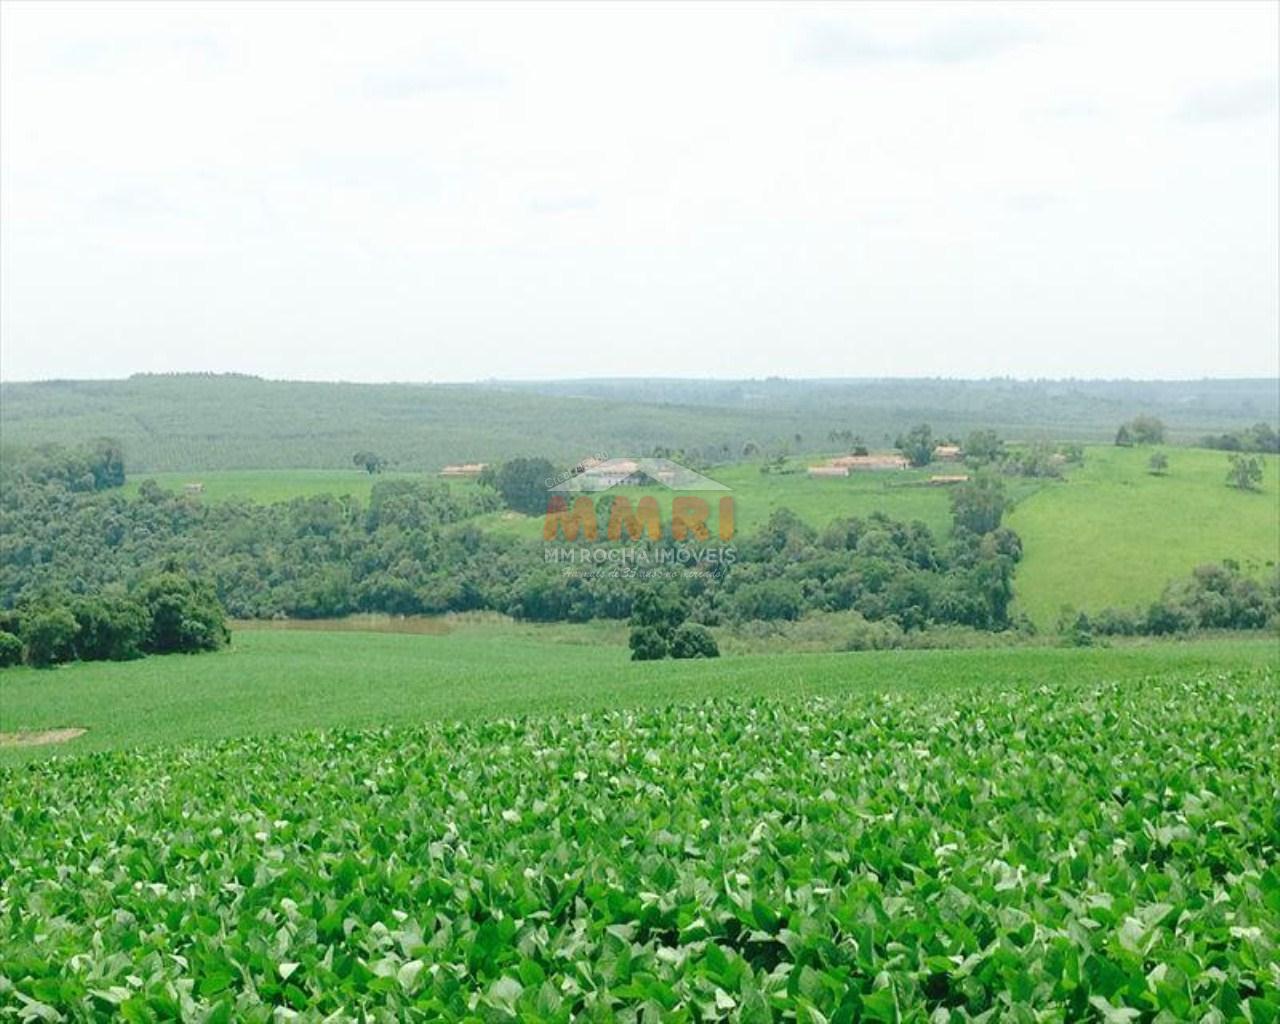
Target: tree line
1214	596
414	548
165	613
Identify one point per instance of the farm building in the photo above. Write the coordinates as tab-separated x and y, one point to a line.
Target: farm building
947	453
194	488
602	474
948	480
828	470
865	463
465	469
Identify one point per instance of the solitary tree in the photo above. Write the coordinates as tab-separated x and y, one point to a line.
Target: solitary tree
1140	430
1158	464
983	446
1245	472
978	505
370	462
524	484
1146	430
917	445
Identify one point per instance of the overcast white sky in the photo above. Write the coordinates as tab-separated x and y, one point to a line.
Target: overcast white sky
432	192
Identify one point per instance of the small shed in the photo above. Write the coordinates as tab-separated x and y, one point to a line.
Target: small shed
872	463
464	469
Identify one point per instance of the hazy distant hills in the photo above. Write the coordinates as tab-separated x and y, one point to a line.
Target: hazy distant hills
205	421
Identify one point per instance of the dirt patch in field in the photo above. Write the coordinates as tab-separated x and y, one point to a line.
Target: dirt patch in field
38	737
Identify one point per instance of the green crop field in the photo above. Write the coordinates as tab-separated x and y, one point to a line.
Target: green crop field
1038	835
1114	535
280	680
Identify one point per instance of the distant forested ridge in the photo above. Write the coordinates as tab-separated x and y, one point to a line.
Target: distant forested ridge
194	422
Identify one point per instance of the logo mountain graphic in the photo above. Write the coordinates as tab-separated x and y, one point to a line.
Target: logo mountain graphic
594	475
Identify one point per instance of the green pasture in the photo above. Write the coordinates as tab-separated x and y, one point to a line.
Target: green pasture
904	495
1114	534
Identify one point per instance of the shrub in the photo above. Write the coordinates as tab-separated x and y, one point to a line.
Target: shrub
10	650
647	644
1116	622
693	641
1079	632
1164	617
873	636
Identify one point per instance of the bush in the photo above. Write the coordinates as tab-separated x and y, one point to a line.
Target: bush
49	635
1116	622
1164	618
647	644
10	650
1079	632
693	641
873	636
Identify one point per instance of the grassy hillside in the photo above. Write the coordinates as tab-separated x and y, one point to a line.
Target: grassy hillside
284	681
1113	534
901	495
190	423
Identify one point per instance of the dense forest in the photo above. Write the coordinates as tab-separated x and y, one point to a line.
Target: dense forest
192	422
414	549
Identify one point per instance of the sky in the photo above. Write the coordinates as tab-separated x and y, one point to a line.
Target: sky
444	193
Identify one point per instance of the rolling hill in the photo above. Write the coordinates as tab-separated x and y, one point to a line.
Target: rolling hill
187	422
